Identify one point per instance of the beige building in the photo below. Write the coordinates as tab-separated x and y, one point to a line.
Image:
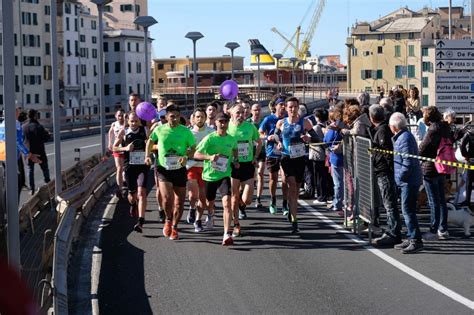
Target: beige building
399	49
120	14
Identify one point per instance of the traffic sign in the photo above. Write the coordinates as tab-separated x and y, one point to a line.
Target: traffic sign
455	90
455	54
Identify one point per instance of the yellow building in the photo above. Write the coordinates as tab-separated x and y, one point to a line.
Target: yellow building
397	49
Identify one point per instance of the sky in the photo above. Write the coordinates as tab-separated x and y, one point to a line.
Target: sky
240	20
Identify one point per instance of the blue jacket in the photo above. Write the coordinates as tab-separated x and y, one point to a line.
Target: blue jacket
407	170
331	136
20	146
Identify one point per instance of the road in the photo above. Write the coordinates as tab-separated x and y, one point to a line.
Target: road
324	269
88	145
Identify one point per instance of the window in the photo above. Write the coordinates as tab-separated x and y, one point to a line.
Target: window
397	36
108	9
379	74
46	27
82	22
118	89
411	71
397	51
126	7
129	46
93	25
47	10
94	39
83	70
94	53
68	75
106	89
354	51
400	72
362	37
37	98
67	24
129	66
380	49
82	38
411	50
67	8
425	100
139	67
117	67
424	51
427	66
381	36
106	67
411	35
28	99
160	66
47	49
106	47
116	46
424	82
137	47
365	74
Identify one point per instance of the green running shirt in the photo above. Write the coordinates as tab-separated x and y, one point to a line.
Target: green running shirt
215	144
245	134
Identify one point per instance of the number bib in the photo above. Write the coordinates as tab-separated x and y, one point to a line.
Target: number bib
172	162
243	149
136	158
296	150
221	164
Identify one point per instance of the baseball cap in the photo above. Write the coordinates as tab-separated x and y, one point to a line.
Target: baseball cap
222	116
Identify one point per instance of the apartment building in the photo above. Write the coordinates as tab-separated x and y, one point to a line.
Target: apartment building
32	56
120	14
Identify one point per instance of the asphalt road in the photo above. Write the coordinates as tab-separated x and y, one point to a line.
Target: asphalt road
323	269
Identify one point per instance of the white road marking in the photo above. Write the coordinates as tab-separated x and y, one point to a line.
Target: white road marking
84	147
397	264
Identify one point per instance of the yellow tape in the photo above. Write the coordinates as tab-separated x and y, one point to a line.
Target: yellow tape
422	158
323	143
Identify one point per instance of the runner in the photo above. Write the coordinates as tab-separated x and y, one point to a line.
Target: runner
114	131
247	109
211	112
196	191
273	155
293	135
218	150
175	143
132	141
256	120
245	134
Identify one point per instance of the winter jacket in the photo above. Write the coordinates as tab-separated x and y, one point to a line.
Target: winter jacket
35	137
399	105
407	170
382	139
318	153
334	135
360	127
467	145
429	145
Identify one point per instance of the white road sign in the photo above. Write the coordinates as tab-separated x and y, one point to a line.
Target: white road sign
454	54
455	90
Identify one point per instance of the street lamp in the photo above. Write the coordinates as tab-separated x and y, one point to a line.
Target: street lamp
303	62
146	22
232	46
194	36
278	57
257	52
312	63
320	79
293	61
100	9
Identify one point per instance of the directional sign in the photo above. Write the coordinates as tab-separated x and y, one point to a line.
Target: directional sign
455	90
454	54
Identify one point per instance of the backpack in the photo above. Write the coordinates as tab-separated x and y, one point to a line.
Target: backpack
445	153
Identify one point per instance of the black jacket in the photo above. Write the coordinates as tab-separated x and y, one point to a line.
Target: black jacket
35	137
429	146
467	145
382	139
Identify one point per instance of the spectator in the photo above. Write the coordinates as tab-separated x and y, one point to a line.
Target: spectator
467	151
35	137
383	171
363	98
413	105
317	158
387	105
399	102
432	180
449	116
408	179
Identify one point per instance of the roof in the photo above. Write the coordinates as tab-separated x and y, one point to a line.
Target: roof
405	25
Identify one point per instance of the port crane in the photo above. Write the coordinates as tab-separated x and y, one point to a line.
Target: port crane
302	49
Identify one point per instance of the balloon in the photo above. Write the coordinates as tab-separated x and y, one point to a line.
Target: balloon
146	111
229	89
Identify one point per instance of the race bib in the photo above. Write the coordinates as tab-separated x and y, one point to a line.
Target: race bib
221	164
136	158
172	162
297	150
276	151
243	149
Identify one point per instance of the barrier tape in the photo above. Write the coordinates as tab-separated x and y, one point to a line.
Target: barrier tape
323	143
422	158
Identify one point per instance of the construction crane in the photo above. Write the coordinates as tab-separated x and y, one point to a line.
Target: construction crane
302	50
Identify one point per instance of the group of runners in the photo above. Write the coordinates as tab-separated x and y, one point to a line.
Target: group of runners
219	149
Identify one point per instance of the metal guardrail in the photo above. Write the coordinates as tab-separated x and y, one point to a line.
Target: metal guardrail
74	206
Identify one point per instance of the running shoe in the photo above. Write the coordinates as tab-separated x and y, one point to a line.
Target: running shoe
209	222
162	216
133	210
316	202
198	226
174	234
272	209
138	227
443	235
294	227
191	216
286	210
258	204
167	229
242	214
236	231
228	240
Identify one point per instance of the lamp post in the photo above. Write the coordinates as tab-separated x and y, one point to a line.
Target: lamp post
312	64
293	61
100	8
194	36
146	22
257	52
232	46
303	62
278	57
320	79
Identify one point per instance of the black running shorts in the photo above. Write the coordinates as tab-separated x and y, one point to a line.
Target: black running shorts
223	185
176	177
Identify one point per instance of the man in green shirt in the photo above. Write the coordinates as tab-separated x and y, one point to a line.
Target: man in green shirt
175	144
245	134
218	150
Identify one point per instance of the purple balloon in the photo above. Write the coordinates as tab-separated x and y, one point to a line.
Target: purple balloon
146	111
229	89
